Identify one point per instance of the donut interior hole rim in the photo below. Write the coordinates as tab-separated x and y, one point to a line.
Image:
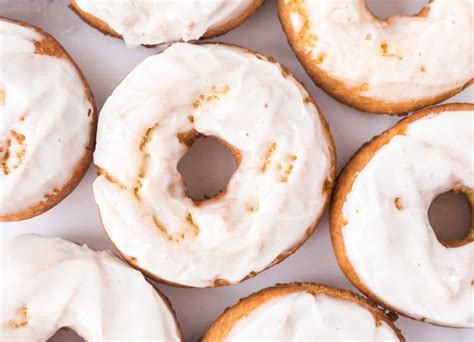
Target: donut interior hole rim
445	234
378	8
66	334
189	139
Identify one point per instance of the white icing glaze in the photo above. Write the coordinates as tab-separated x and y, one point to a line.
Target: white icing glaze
262	214
301	316
404	264
50	283
413	67
159	21
44	126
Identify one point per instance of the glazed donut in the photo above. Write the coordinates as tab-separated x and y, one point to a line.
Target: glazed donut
282	145
49	284
385	192
48	122
142	22
387	66
303	311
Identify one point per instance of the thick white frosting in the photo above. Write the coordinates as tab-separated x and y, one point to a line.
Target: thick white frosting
45	120
160	21
49	283
404	264
272	199
395	60
301	316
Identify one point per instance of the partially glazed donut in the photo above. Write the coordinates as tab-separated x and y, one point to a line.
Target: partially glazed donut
388	66
47	125
384	194
144	22
49	284
303	312
282	145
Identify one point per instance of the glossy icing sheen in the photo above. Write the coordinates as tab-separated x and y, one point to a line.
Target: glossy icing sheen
419	276
275	195
50	283
301	316
395	60
44	126
159	21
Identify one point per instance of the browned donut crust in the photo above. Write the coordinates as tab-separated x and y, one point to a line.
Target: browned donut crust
348	95
344	186
328	184
51	47
103	27
224	323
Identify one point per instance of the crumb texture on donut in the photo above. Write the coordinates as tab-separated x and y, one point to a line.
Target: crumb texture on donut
390	66
274	199
384	195
47	122
143	22
309	312
49	283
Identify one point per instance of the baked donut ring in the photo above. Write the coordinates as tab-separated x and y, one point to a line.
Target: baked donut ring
303	311
47	128
384	194
49	284
390	66
274	200
144	22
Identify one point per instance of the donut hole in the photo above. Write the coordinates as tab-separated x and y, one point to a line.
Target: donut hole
384	9
207	167
450	216
66	335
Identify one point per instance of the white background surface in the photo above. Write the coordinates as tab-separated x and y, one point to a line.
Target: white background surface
105	61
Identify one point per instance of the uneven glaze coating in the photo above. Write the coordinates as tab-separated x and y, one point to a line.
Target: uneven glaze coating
302	316
49	283
46	120
401	60
404	264
273	200
159	21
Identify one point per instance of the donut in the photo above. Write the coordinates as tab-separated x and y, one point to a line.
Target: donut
47	130
50	283
282	145
143	22
384	194
387	66
303	311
